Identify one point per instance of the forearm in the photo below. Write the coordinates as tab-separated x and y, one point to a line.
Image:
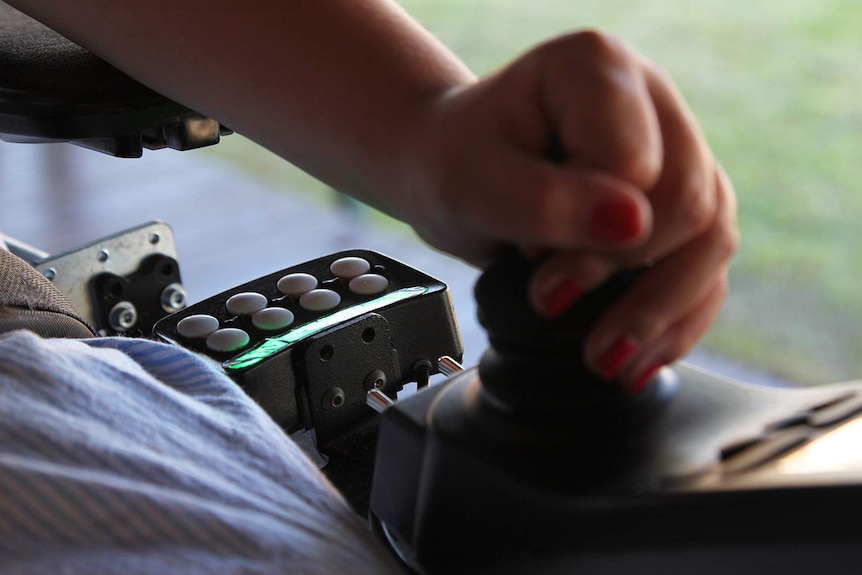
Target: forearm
350	90
330	85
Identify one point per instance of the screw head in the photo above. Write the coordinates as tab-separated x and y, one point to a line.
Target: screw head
333	398
375	380
123	316
173	297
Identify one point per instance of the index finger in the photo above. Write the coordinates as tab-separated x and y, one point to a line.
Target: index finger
599	106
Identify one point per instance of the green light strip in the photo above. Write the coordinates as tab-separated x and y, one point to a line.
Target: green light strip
273	345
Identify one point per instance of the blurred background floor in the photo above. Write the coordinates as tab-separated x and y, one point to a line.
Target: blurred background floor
229	226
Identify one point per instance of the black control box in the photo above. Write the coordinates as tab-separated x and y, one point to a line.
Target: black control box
309	342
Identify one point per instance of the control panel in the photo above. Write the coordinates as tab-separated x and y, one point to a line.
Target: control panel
309	342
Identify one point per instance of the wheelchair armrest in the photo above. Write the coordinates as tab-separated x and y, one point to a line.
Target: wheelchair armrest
52	90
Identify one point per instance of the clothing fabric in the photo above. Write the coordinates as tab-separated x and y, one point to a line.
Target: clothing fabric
131	456
29	301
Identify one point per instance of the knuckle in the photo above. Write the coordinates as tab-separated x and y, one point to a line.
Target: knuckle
695	205
726	239
647	324
587	48
596	45
657	72
640	164
724	235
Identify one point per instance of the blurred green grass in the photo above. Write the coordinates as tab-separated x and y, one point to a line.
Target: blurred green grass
776	86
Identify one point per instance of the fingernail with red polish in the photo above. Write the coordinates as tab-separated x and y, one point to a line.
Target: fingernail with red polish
612	362
615	220
644	380
561	297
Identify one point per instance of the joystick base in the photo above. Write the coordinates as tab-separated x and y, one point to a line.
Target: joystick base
468	486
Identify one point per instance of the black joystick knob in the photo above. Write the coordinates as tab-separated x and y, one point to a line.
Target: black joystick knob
535	363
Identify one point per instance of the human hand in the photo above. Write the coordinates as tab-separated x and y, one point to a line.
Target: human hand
638	183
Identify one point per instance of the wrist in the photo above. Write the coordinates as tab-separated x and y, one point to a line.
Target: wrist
422	146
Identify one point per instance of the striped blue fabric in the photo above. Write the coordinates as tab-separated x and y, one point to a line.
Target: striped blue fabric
130	456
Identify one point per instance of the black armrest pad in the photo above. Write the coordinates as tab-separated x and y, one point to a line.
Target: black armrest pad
51	89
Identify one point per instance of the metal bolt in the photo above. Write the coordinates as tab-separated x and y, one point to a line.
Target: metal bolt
50	274
173	297
103	255
154	238
123	316
333	398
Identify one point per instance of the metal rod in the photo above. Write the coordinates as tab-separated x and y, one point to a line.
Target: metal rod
378	401
449	366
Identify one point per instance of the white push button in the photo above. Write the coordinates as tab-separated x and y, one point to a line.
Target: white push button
368	284
296	284
349	268
197	326
319	300
227	339
272	318
246	303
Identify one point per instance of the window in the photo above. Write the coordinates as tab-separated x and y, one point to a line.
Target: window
775	86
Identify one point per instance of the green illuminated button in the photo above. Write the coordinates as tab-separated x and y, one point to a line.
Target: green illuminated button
227	339
319	300
272	318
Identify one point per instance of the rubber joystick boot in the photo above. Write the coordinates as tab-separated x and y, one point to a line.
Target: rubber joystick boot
535	364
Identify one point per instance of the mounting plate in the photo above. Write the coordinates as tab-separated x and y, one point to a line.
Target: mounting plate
120	254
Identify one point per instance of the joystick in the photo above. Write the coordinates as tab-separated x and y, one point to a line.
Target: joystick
529	463
528	347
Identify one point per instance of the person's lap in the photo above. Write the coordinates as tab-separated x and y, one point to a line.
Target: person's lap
130	456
